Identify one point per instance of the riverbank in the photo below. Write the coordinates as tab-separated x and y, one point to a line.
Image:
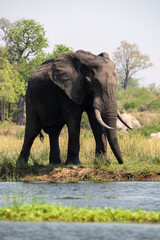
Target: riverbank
82	173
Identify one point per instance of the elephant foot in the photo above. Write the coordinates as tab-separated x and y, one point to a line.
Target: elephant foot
74	161
57	161
100	153
21	163
120	161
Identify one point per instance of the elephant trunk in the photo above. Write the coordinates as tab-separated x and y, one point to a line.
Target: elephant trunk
112	139
108	117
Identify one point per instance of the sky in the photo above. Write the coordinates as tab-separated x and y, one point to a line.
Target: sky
96	26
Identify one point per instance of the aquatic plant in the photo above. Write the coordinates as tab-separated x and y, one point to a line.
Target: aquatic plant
52	212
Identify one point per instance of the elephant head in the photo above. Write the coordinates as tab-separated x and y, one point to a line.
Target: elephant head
83	72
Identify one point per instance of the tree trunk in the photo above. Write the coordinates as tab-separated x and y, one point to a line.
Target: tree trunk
9	110
3	110
126	80
20	111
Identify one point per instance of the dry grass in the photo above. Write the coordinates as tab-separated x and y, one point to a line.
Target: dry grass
147	117
140	154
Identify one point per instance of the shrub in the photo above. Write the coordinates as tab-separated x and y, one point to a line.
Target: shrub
146	130
130	105
138	98
154	105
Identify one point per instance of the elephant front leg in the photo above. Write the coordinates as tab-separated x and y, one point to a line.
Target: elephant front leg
99	134
73	143
55	157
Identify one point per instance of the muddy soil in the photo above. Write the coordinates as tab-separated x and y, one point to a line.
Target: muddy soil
78	173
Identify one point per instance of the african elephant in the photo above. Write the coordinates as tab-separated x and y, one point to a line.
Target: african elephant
59	91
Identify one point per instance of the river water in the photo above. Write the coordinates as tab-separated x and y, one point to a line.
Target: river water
128	195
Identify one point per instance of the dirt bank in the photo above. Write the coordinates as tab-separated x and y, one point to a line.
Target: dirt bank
76	173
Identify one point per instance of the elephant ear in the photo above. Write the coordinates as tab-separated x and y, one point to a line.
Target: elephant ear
67	73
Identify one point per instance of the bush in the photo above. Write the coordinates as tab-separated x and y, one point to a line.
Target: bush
155	105
146	130
141	99
130	105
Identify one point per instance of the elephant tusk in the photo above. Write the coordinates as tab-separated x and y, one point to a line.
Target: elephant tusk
99	119
122	120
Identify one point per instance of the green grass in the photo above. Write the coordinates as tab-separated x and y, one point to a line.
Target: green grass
139	98
36	212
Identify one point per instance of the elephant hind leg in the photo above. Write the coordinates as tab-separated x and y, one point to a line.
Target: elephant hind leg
32	130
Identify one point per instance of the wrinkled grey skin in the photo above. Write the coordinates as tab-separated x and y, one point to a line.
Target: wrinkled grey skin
59	91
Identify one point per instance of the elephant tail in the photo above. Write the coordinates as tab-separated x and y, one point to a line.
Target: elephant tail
41	136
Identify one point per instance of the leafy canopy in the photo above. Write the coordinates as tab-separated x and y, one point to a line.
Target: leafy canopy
23	38
129	61
10	84
60	49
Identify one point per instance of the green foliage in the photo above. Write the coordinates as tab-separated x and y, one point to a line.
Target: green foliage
26	68
132	84
146	130
60	49
130	105
23	38
7	167
154	105
139	98
52	212
10	84
7	88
